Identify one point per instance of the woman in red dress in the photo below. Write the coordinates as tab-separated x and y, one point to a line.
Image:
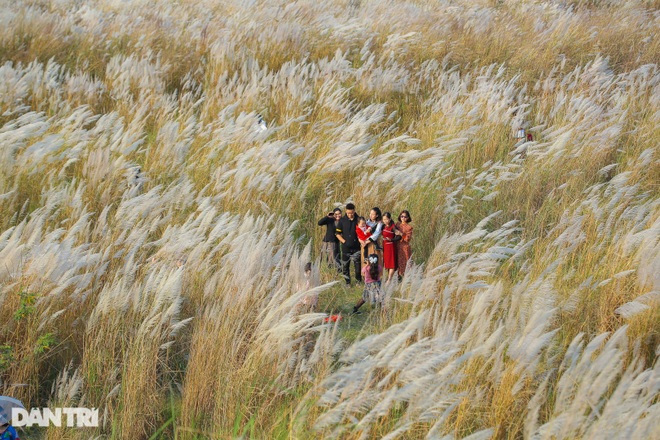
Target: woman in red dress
403	247
390	236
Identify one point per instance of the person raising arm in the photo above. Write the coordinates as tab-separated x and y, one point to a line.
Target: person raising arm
330	247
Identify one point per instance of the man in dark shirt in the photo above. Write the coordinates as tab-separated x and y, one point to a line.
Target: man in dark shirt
350	246
330	248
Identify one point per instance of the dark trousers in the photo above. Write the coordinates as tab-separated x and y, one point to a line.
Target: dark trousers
337	256
348	256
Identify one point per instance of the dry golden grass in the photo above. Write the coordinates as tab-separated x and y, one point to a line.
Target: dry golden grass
152	238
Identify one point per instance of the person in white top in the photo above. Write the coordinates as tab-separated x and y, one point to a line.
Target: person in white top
375	222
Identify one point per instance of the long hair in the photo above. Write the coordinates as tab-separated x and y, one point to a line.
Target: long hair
389	216
379	215
334	212
373	267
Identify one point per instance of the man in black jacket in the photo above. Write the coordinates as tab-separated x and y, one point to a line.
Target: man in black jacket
330	248
350	246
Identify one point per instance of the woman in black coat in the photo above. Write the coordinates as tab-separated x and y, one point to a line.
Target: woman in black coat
330	247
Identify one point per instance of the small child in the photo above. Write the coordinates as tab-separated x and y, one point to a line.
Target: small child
364	234
308	302
363	231
308	274
7	432
372	291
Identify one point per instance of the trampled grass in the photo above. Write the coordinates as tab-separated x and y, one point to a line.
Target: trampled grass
153	236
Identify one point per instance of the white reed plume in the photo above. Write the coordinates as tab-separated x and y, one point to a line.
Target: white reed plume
67	387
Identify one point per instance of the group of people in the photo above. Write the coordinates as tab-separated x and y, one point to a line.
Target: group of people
376	246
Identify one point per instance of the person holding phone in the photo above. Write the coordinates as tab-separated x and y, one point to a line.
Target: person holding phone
330	246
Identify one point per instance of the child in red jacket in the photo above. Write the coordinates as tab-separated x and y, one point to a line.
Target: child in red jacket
363	233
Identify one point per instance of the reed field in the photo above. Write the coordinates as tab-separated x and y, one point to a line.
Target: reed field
153	237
